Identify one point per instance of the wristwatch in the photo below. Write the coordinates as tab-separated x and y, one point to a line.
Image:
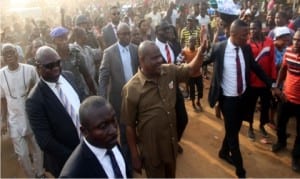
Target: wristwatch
274	85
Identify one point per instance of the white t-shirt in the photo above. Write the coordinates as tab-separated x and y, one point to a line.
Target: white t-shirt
174	16
156	18
14	86
203	21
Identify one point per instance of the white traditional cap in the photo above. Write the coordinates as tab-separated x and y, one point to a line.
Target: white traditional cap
280	31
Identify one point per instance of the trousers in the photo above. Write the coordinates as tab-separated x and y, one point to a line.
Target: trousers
233	110
23	145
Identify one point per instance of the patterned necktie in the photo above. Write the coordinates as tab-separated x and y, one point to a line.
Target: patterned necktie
114	163
69	108
239	73
168	54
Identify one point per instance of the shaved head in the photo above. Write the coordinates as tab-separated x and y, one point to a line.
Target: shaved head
237	25
239	32
46	54
144	48
122	26
150	59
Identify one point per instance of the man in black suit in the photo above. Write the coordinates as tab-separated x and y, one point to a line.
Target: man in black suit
52	109
110	30
92	157
169	55
233	61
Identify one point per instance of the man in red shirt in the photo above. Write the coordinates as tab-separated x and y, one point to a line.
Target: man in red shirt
290	99
263	51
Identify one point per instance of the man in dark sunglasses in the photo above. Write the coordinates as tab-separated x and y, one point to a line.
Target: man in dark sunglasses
16	80
52	108
110	30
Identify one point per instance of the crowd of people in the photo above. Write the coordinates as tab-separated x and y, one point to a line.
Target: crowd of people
101	93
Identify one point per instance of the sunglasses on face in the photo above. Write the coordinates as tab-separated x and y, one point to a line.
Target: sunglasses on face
50	66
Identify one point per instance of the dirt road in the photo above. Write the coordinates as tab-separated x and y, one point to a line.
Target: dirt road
201	142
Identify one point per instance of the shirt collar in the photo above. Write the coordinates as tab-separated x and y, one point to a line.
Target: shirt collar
114	26
160	43
53	84
230	45
122	47
99	152
145	79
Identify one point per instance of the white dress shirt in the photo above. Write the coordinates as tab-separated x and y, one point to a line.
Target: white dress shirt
203	21
70	94
162	48
229	79
126	61
104	159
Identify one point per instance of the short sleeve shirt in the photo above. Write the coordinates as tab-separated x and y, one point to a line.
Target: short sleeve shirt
149	106
291	87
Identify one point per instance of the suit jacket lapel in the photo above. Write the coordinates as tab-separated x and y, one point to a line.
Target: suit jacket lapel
52	100
112	32
120	64
133	60
92	161
49	94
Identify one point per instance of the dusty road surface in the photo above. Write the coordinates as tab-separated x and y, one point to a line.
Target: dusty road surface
201	142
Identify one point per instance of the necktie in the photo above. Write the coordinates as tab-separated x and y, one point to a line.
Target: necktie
69	108
238	73
114	163
168	54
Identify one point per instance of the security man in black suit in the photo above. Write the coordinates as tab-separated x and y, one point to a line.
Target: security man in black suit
54	127
233	61
98	155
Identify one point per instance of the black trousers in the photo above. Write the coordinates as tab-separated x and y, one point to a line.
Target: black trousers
233	110
198	82
265	96
285	112
181	114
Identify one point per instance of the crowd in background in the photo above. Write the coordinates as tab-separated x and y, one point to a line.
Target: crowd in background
85	38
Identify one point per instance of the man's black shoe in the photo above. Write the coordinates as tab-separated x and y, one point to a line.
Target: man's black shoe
225	157
278	147
295	164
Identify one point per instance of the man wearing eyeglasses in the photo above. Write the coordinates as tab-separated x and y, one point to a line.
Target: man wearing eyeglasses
16	80
52	109
110	30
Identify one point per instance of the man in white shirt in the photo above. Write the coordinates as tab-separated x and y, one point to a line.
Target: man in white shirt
16	81
98	155
233	62
155	17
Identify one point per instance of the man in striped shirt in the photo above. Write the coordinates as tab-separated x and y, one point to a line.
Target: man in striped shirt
290	99
191	29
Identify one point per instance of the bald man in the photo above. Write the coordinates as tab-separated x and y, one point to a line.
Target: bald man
119	64
233	62
148	110
52	109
